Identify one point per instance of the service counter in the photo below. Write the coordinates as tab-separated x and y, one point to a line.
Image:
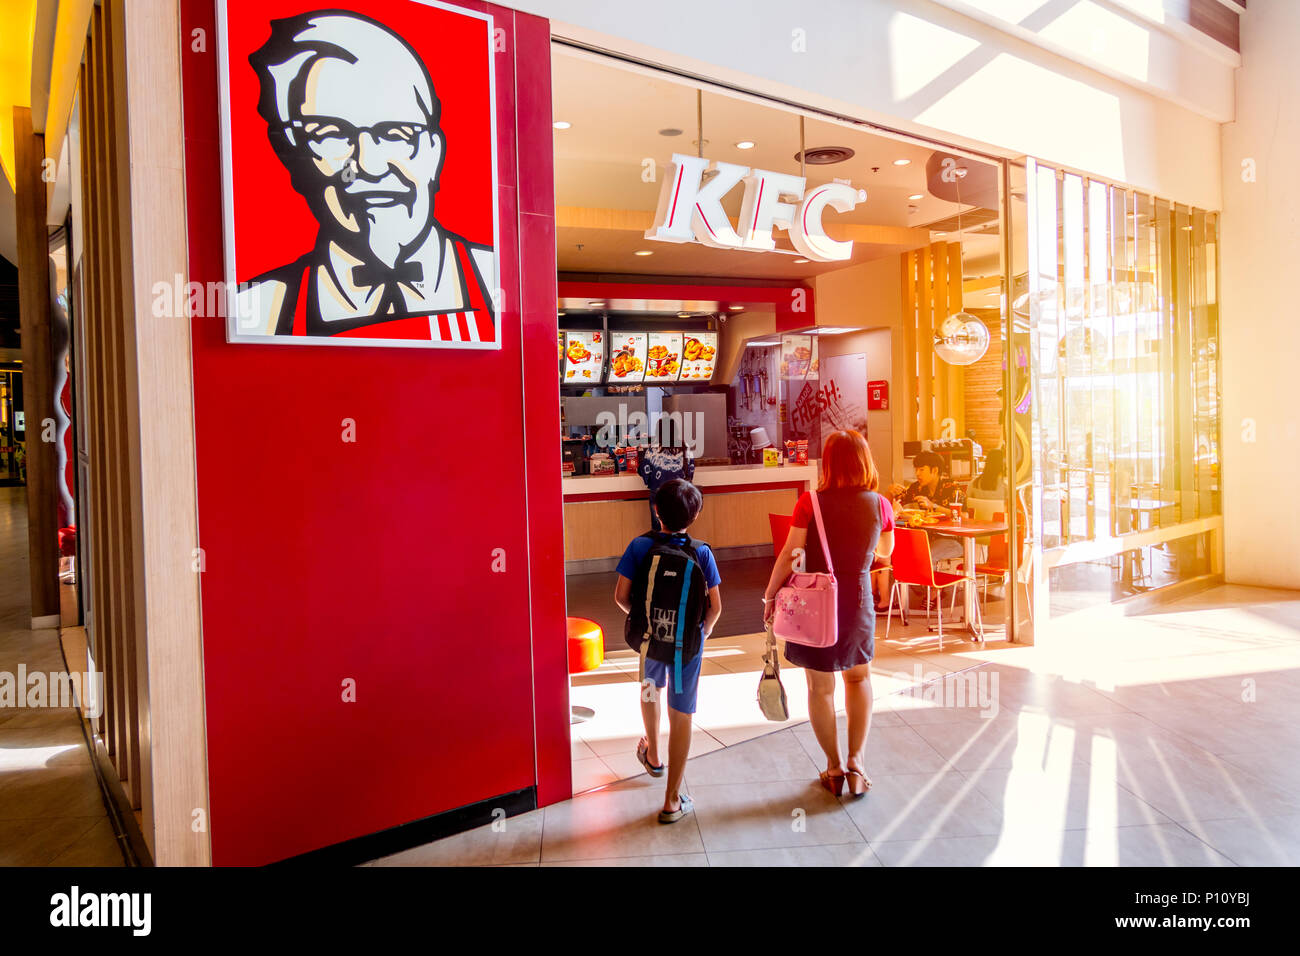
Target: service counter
602	513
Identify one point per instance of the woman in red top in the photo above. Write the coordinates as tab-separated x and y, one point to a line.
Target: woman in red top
859	526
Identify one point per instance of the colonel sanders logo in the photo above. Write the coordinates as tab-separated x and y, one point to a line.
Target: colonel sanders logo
352	113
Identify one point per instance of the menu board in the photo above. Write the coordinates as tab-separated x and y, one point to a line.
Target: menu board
663	357
584	358
798	356
627	357
699	354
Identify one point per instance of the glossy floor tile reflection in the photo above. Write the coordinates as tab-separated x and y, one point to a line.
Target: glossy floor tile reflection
51	811
1164	738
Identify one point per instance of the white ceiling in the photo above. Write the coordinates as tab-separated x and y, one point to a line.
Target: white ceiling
616	115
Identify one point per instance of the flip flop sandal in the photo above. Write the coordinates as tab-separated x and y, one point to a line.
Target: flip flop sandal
642	749
672	816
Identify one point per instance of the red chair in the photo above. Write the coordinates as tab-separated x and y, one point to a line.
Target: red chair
780	525
997	564
913	566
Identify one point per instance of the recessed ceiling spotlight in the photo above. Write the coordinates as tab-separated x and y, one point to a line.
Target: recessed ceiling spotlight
645	252
735	308
670	131
915	196
683	315
824	155
902	162
801	261
745	144
561	124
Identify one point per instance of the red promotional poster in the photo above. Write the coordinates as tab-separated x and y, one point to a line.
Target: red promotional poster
359	174
878	395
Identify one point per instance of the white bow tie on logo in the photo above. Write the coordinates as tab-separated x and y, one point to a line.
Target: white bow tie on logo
690	209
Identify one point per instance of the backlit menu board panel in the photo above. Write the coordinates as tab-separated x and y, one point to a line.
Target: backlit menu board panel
584	358
627	357
798	356
664	357
699	355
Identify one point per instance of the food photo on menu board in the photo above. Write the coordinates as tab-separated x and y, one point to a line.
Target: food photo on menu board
664	356
584	357
627	361
698	352
798	356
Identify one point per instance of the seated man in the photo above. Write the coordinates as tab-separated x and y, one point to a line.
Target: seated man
930	490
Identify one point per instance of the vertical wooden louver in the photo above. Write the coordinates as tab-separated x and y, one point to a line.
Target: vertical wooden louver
932	291
139	514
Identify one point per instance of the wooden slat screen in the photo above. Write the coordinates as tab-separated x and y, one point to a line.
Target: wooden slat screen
933	390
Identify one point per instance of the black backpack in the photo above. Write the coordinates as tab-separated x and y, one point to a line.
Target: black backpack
670	599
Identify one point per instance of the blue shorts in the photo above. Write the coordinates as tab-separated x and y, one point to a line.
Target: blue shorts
680	699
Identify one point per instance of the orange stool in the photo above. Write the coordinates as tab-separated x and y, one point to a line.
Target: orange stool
586	653
586	645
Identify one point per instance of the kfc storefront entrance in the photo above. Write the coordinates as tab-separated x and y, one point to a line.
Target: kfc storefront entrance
385	192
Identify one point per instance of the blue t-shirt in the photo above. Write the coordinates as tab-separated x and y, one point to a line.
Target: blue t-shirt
641	546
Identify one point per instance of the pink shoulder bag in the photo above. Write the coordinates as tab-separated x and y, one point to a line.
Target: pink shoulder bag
806	611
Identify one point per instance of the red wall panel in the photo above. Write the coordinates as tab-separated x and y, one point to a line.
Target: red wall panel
372	560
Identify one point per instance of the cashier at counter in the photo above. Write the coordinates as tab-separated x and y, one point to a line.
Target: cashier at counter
659	465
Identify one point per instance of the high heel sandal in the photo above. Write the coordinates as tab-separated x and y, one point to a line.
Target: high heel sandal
834	782
858	786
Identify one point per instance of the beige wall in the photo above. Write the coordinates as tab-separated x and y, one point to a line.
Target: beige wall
1260	248
871	296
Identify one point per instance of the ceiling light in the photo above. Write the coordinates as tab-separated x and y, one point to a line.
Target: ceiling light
745	144
941	234
801	261
902	162
916	196
683	315
735	308
761	343
561	124
645	252
596	304
824	155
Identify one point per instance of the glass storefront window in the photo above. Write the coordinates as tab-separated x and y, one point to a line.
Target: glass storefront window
1122	295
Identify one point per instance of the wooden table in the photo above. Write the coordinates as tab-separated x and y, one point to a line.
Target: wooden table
968	530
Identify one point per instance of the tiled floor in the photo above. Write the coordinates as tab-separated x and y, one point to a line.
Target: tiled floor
604	746
1163	738
51	812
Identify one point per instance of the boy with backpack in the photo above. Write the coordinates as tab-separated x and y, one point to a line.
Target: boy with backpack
668	587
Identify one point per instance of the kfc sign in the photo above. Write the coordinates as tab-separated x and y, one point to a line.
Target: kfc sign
691	209
359	162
